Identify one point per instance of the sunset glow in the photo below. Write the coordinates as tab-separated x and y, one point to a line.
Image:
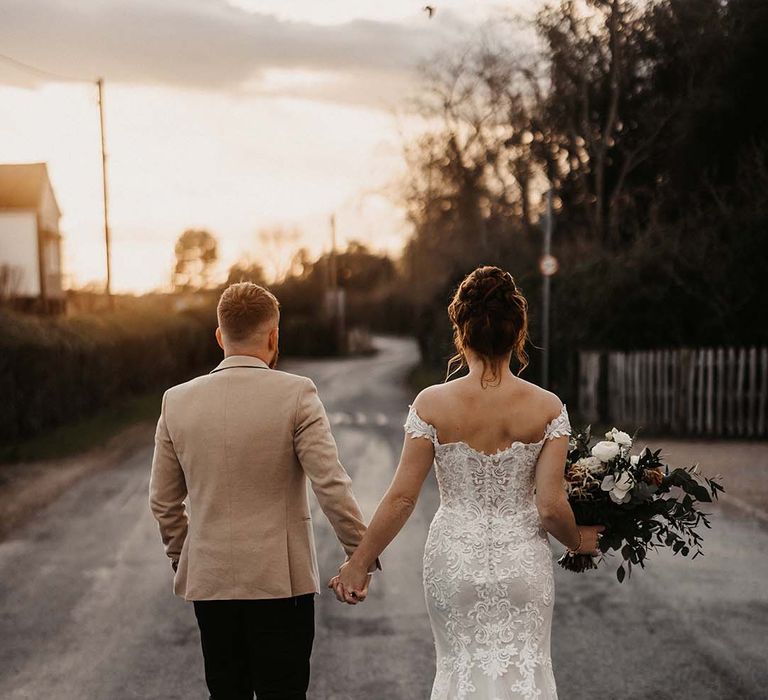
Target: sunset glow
304	131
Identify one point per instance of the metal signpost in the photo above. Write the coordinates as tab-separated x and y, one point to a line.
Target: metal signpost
548	266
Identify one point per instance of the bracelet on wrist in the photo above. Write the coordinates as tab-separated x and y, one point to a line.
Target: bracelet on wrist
575	550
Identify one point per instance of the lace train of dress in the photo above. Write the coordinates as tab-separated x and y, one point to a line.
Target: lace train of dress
488	571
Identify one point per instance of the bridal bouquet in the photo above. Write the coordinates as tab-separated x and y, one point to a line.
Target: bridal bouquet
642	503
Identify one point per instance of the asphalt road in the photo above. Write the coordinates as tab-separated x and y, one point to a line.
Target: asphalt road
86	610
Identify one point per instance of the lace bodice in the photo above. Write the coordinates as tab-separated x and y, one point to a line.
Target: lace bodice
488	571
496	486
416	427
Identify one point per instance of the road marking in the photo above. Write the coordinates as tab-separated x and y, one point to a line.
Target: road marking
358	418
339	419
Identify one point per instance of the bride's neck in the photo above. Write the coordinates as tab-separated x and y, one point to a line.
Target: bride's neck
492	369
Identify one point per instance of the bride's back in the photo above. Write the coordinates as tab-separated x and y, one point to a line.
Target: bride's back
487	563
488	418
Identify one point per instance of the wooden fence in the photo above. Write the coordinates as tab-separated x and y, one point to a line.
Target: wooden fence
706	391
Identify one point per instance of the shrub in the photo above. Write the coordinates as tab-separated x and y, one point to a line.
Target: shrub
54	371
307	336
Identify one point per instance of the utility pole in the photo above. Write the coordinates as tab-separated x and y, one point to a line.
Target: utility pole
334	273
336	298
547	266
107	240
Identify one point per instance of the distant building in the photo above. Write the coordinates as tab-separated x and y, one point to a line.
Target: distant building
30	242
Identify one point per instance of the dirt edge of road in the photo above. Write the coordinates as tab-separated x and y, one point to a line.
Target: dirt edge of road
27	487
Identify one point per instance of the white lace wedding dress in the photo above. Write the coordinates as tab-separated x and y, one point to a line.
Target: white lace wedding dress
488	571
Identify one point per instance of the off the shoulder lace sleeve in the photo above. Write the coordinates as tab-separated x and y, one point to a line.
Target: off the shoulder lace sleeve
558	427
416	427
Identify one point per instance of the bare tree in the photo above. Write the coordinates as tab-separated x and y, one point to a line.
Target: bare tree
600	107
196	253
276	246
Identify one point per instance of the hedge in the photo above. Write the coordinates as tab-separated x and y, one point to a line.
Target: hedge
54	371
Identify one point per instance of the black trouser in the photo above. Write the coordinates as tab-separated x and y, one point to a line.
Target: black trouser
260	646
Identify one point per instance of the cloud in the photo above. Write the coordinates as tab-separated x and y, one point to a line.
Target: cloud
211	44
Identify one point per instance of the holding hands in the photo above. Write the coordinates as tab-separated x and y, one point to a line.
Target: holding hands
351	583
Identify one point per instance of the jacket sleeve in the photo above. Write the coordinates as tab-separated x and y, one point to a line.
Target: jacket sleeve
316	450
167	490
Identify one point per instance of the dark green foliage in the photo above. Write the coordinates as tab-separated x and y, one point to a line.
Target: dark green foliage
662	512
307	336
54	371
649	120
82	434
375	297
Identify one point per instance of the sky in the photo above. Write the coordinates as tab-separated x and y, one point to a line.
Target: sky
230	115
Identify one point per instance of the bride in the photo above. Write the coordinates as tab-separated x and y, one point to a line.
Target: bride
499	445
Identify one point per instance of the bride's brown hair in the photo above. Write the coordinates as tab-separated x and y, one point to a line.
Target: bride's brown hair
490	317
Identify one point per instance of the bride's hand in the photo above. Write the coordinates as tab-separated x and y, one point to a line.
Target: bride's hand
351	583
590	539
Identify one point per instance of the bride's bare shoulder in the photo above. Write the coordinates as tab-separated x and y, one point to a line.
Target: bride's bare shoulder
434	402
428	401
547	402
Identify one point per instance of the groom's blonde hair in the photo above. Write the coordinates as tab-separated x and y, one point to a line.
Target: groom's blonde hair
244	309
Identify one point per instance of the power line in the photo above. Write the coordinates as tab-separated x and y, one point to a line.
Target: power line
100	86
41	72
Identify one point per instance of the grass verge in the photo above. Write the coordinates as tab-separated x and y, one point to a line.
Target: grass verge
86	433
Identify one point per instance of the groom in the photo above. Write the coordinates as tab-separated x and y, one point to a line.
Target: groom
239	444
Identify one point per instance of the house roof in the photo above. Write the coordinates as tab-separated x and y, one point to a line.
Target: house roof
22	185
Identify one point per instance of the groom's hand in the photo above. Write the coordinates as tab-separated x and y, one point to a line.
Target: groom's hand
344	595
337	589
351	584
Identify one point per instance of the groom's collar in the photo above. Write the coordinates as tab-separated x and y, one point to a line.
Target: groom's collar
240	361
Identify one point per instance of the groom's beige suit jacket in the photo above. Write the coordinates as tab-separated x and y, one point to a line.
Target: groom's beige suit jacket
239	445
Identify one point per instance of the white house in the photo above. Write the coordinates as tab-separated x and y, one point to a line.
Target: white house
30	243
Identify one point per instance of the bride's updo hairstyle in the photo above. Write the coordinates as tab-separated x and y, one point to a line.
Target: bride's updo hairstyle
490	317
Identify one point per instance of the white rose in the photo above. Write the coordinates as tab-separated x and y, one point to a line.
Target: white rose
619	437
605	451
634	459
618	487
591	464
